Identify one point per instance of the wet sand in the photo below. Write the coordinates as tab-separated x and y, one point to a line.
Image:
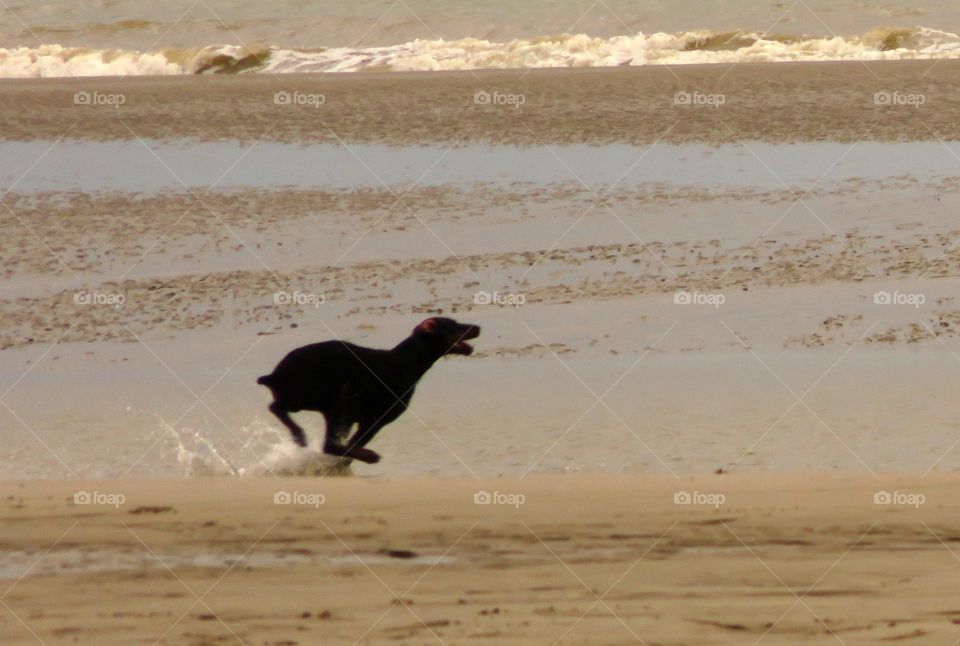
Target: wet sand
786	559
799	368
780	102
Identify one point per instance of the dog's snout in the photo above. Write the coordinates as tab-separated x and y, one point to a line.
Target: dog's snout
471	332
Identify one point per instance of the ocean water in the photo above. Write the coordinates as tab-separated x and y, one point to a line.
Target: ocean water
63	38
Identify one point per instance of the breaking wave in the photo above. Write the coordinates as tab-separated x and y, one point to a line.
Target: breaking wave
566	50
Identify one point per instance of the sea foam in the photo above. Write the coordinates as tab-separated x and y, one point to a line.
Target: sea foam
564	50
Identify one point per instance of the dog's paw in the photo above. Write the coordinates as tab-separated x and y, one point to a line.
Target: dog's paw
365	455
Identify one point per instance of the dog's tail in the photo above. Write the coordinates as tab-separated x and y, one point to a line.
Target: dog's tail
266	380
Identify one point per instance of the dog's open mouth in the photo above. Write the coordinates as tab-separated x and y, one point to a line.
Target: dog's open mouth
461	346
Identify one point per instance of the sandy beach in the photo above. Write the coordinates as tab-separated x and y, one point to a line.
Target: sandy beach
776	559
713	401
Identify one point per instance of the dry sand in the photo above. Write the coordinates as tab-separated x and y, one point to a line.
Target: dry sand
787	559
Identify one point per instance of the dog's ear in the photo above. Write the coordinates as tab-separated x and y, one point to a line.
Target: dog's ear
429	326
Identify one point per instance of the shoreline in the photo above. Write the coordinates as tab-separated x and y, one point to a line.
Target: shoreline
775	102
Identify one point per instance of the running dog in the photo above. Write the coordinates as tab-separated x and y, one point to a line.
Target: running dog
350	384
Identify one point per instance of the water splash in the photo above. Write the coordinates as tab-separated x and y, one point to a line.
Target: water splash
198	456
287	459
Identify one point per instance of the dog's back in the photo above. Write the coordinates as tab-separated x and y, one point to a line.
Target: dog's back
316	376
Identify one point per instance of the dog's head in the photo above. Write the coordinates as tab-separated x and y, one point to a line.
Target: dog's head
446	335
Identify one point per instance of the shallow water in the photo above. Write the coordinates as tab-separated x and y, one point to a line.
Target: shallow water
154	166
690	402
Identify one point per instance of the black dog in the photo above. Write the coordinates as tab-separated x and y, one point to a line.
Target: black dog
351	384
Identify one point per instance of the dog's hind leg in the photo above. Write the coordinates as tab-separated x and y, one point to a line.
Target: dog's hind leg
364	434
284	416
